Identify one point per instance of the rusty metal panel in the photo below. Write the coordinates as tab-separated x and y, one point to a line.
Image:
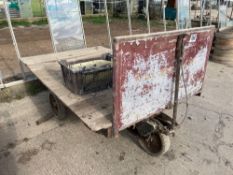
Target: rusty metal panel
144	70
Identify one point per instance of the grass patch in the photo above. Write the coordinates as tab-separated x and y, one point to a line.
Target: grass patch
118	18
21	23
159	24
95	19
40	22
5	96
19	96
24	23
15	23
34	88
100	20
18	92
3	24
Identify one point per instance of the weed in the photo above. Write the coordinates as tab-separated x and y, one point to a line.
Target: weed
34	88
95	19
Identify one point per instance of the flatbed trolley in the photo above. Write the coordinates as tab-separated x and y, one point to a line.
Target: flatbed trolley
151	72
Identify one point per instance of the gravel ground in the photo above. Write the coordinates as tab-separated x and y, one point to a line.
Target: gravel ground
202	146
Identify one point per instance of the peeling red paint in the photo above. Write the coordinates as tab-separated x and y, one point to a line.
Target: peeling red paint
137	58
199	75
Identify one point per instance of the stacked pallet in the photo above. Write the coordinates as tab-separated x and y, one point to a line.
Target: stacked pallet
223	47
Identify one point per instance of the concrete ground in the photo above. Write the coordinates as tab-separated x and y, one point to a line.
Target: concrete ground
203	145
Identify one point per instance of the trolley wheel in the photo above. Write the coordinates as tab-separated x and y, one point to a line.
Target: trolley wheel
57	107
156	144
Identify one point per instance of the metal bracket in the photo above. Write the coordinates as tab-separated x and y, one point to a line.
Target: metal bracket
178	58
1	80
161	123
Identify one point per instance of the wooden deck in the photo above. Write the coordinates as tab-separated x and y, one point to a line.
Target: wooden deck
95	109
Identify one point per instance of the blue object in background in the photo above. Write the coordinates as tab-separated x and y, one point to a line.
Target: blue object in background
14	5
170	13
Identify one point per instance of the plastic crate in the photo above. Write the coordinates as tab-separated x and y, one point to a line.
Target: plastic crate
86	77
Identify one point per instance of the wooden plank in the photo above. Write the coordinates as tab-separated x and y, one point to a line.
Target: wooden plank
89	57
91	111
94	109
65	55
82	105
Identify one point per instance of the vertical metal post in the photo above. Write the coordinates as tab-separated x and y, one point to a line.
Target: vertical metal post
177	14
148	15
1	80
231	11
107	23
195	14
85	9
210	1
99	6
201	12
14	39
179	55
81	19
129	16
190	15
113	2
219	13
164	16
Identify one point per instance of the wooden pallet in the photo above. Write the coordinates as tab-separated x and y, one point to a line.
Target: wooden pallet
95	109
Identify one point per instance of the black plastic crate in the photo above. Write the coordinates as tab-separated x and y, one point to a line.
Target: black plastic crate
86	77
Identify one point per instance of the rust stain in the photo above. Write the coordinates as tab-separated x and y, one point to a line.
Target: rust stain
144	73
199	75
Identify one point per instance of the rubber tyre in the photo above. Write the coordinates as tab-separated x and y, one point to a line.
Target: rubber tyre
162	140
57	107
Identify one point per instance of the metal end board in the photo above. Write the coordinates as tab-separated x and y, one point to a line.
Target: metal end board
144	72
66	25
